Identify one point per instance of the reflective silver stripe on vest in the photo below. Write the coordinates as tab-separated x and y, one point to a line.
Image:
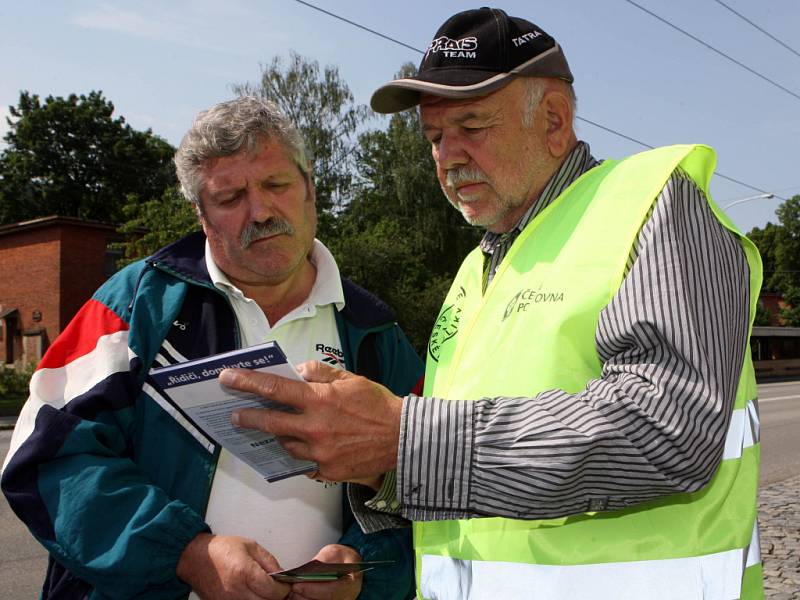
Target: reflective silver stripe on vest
711	577
743	431
754	549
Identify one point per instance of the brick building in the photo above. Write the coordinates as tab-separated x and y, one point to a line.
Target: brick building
48	268
774	303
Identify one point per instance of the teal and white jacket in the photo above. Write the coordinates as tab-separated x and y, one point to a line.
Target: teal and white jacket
111	480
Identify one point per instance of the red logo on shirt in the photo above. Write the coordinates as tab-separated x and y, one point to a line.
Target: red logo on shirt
330	355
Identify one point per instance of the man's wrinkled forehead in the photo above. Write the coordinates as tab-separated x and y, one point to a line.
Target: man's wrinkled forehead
428	100
432	101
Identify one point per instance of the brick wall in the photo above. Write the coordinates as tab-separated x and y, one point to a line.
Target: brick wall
774	303
83	267
48	268
29	281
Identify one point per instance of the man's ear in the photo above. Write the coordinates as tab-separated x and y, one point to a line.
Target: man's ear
312	189
558	113
199	212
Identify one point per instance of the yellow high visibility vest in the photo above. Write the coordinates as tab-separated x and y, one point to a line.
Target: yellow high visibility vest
533	330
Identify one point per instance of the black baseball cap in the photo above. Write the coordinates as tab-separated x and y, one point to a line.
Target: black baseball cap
474	53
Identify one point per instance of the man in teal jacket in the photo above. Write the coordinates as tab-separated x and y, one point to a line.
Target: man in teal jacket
129	498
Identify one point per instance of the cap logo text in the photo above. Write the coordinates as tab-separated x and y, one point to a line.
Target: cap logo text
524	39
463	48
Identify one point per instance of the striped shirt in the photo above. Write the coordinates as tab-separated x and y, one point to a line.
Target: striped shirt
671	341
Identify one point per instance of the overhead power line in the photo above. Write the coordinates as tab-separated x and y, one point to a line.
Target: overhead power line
609	130
747	185
710	47
598	125
764	31
354	24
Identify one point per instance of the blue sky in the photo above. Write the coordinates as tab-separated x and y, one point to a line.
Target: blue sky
162	62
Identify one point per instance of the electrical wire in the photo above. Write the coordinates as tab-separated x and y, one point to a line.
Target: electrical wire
354	24
710	47
764	31
609	130
598	125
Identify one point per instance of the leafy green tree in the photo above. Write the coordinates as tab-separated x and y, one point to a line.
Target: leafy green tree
779	246
399	182
399	237
155	223
70	157
791	314
382	212
787	248
321	105
385	259
763	316
766	240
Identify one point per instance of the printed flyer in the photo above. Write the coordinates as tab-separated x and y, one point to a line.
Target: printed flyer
193	388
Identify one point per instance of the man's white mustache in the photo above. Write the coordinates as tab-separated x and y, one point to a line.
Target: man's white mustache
460	175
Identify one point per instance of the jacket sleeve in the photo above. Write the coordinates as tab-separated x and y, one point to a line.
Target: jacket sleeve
401	369
393	581
71	475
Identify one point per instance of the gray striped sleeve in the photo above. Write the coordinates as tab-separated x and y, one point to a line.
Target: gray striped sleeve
672	341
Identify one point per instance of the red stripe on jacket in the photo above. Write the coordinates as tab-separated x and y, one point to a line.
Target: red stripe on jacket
93	321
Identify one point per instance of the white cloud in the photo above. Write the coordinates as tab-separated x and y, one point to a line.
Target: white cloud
109	18
174	23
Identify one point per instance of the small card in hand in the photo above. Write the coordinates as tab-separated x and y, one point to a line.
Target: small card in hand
319	571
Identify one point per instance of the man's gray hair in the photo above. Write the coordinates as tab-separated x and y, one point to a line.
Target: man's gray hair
228	127
534	91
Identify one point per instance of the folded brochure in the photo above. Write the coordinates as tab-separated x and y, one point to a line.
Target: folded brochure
319	571
193	388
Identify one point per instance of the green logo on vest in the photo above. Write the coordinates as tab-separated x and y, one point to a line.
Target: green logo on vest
525	298
446	326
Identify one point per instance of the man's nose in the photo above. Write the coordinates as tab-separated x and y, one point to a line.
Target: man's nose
451	152
260	205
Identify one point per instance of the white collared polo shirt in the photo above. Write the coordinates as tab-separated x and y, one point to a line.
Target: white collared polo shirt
295	517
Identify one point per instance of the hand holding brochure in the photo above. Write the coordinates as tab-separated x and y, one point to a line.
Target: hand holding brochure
319	571
193	388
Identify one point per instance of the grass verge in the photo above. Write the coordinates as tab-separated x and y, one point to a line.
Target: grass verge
11	405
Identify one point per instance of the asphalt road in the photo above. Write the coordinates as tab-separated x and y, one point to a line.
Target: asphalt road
22	561
779	408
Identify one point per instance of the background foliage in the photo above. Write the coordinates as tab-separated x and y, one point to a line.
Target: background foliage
321	106
381	211
779	245
380	208
70	157
13	388
151	224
